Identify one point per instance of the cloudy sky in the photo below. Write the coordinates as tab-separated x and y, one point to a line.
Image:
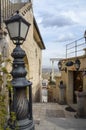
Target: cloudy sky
59	22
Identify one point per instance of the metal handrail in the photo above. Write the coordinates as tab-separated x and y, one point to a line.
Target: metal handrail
76	48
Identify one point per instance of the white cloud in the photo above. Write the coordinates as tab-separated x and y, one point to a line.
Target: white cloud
65	37
59	22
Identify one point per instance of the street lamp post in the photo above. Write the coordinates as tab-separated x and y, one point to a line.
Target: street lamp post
18	28
60	65
85	36
77	64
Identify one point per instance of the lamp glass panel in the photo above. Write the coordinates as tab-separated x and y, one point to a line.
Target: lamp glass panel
77	66
59	66
24	29
13	29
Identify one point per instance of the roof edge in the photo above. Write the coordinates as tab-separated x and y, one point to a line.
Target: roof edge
35	23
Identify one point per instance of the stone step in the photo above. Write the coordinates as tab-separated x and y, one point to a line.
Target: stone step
61	124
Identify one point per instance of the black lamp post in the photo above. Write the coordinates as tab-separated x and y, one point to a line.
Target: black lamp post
77	64
69	63
18	28
85	36
60	65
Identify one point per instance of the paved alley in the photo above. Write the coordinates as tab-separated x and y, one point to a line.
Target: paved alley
52	116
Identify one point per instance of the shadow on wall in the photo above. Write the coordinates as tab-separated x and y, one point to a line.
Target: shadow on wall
36	95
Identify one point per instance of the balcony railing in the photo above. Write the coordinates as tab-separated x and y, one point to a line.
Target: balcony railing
75	48
8	7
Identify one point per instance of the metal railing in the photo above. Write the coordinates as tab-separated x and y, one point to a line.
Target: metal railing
8	7
75	48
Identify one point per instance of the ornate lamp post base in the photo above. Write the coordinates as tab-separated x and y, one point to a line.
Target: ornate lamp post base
21	106
26	124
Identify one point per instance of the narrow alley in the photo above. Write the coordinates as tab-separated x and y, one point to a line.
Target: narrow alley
52	116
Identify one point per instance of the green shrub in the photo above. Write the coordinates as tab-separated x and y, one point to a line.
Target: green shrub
3	106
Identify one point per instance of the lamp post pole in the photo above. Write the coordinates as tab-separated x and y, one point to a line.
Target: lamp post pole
20	104
85	36
52	70
21	107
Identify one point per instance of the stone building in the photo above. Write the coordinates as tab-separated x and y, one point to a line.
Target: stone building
33	45
75	84
74	80
73	76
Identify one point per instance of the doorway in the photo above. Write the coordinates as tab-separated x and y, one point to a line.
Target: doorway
78	84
